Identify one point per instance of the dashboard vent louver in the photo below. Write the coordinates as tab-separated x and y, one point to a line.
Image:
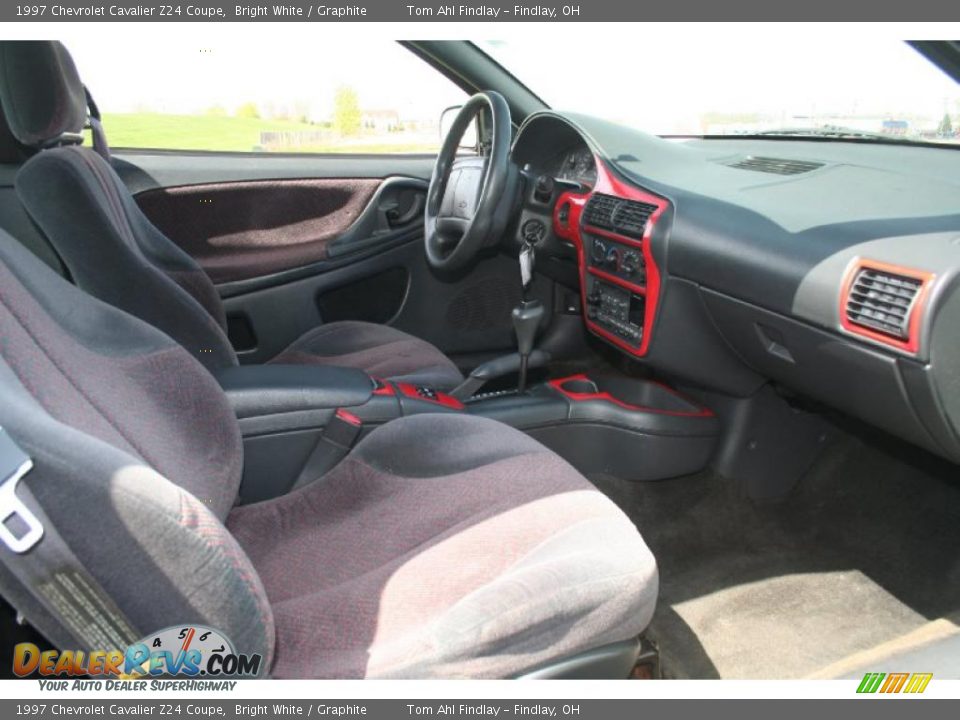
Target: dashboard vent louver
626	217
882	301
777	166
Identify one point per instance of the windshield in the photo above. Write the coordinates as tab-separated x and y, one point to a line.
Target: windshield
835	87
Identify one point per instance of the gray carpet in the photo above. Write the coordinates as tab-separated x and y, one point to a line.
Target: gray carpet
865	549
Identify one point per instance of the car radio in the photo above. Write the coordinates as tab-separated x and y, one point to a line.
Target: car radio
616	310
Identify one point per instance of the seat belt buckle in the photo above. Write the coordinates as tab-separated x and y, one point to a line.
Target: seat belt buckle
343	429
14	464
333	445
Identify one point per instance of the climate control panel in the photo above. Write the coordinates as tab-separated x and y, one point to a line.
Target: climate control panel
617	258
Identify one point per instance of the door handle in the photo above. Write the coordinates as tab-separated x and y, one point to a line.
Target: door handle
397	217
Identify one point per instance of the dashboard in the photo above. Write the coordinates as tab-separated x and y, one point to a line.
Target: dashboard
829	268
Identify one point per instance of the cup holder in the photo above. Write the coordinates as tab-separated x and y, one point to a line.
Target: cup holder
580	386
634	394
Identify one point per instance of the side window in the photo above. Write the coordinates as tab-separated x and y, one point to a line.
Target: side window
363	97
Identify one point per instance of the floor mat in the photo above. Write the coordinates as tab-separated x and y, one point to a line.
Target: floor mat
865	549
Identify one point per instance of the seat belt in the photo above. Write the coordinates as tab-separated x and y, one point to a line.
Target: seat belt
96	127
35	553
335	442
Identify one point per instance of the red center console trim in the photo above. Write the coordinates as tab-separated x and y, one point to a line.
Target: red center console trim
571	228
912	343
384	388
559	383
439	398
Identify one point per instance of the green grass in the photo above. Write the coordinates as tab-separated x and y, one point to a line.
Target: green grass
230	134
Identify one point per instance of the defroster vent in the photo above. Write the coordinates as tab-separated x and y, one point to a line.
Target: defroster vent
775	166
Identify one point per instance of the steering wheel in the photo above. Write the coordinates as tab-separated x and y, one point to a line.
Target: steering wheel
465	200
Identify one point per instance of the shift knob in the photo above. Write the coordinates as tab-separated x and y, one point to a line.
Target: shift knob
526	320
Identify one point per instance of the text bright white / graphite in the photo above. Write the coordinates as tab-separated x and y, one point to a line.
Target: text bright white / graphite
333	11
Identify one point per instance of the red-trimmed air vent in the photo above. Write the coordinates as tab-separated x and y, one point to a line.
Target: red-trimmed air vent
885	303
627	217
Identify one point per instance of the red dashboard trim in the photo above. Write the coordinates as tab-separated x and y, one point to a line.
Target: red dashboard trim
607	397
603	274
912	343
573	230
570	230
613	236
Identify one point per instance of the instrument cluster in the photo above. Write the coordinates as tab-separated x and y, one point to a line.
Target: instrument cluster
577	166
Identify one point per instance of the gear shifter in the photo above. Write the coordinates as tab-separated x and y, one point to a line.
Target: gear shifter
527	316
526	320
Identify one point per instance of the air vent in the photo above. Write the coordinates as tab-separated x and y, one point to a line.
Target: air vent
882	301
776	166
600	210
626	217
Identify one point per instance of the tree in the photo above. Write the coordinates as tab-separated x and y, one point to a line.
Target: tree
946	127
300	111
216	111
346	111
248	110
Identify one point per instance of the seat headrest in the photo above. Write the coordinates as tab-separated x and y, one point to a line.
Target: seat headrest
11	151
41	93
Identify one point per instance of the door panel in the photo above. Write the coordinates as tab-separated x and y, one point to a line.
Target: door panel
467	319
279	278
143	170
240	230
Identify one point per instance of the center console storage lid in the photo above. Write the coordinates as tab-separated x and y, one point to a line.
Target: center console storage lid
258	390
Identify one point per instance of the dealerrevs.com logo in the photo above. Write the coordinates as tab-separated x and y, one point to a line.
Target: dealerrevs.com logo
181	651
893	683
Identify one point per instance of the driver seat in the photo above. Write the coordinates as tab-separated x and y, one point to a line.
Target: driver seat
115	253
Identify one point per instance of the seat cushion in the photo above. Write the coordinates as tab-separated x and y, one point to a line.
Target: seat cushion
445	546
382	351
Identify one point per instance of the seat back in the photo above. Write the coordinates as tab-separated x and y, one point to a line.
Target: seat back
137	458
108	245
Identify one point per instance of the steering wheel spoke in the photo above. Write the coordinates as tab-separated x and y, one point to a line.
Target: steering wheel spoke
452	229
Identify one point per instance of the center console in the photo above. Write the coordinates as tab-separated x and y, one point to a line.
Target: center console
600	422
607	422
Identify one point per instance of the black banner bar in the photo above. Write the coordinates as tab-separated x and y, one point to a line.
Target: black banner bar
412	11
477	709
